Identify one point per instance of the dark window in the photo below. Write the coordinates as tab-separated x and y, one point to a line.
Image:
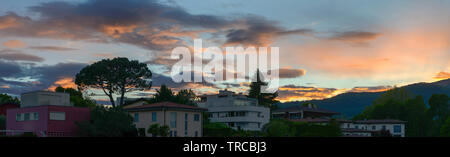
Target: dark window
397	129
136	117
196	117
154	114
27	116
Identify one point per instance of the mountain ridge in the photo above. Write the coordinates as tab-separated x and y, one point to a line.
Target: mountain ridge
352	103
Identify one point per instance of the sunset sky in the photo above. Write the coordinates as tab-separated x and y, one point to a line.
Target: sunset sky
327	47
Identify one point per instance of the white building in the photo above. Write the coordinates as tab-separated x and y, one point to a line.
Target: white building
368	127
41	98
235	110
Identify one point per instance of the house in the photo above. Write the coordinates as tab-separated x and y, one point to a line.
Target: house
236	110
4	107
308	113
183	120
46	114
395	127
360	128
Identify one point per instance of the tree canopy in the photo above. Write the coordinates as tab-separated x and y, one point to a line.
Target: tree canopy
184	96
400	104
76	97
112	122
158	130
5	98
264	99
285	128
115	76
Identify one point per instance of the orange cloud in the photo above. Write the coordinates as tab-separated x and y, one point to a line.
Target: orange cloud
9	22
116	31
64	82
300	93
442	76
14	44
5	86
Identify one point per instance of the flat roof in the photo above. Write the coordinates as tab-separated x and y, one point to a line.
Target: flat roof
165	105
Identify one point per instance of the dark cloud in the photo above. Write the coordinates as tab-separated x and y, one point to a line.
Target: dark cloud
16	55
36	77
355	37
291	73
51	48
9	69
259	32
130	21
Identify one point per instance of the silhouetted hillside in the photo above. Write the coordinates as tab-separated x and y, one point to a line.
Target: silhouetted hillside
350	104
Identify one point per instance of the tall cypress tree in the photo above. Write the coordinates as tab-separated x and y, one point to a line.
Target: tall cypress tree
264	99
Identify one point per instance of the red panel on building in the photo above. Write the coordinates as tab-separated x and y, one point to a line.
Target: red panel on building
4	107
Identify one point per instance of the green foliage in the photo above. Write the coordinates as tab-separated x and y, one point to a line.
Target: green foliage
182	97
115	76
278	128
157	130
399	104
284	128
2	122
439	107
76	97
112	122
445	129
5	98
217	130
264	99
309	105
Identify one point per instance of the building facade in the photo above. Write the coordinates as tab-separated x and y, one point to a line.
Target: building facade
235	110
303	113
349	128
45	117
395	127
4	107
183	120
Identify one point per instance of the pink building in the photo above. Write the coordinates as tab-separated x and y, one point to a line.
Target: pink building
42	115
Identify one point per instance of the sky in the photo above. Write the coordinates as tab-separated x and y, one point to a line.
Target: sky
327	47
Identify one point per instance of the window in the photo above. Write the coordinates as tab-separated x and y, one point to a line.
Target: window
196	134
174	133
356	126
196	117
19	117
230	114
136	117
397	129
185	124
27	116
384	127
374	127
35	116
241	114
294	116
154	114
173	119
57	116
